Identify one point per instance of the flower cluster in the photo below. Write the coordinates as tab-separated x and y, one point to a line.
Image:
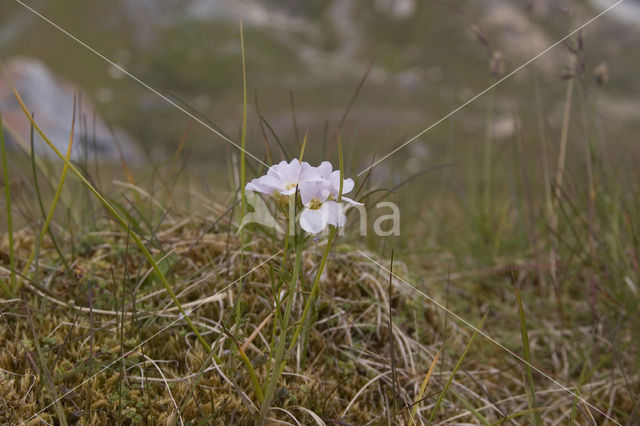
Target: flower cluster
319	189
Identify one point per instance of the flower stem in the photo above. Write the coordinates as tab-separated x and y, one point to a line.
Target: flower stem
323	262
314	288
280	348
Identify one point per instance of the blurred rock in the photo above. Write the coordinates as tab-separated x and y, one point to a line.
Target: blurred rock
503	127
398	9
518	35
628	11
410	79
51	101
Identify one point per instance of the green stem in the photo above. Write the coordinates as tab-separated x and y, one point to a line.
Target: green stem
486	198
58	193
455	370
243	138
280	349
36	186
120	220
8	290
314	289
323	262
527	355
250	369
243	172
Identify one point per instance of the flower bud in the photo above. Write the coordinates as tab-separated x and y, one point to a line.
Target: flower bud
497	64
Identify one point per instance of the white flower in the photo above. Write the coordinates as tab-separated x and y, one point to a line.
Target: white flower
332	179
283	178
319	189
319	211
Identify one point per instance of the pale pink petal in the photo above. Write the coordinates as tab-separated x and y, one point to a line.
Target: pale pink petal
350	201
334	213
325	169
308	173
313	190
274	170
347	184
313	221
290	173
265	184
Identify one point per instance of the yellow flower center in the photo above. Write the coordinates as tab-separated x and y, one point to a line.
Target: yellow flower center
314	204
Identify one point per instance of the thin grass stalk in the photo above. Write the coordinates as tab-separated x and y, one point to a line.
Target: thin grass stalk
313	294
119	218
423	387
47	379
284	325
394	375
264	133
546	174
527	355
276	288
455	370
249	366
243	138
591	194
22	143
560	174
8	289
513	416
243	172
36	186
488	147
58	193
316	281
296	132
482	419
583	377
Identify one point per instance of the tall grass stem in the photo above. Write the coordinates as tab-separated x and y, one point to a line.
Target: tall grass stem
121	221
8	289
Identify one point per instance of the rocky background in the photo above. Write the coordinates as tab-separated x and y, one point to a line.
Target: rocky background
428	58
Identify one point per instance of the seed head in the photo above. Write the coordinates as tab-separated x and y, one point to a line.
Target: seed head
601	73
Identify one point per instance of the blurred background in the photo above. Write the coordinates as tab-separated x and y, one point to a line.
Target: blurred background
488	198
410	62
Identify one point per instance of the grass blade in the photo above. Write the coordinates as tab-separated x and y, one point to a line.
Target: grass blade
115	214
8	290
423	387
455	370
527	356
48	379
469	407
394	376
56	196
36	186
247	363
243	139
278	365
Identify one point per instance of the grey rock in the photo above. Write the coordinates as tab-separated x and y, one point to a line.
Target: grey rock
51	101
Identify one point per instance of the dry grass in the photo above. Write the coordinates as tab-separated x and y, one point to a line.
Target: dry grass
343	375
99	337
